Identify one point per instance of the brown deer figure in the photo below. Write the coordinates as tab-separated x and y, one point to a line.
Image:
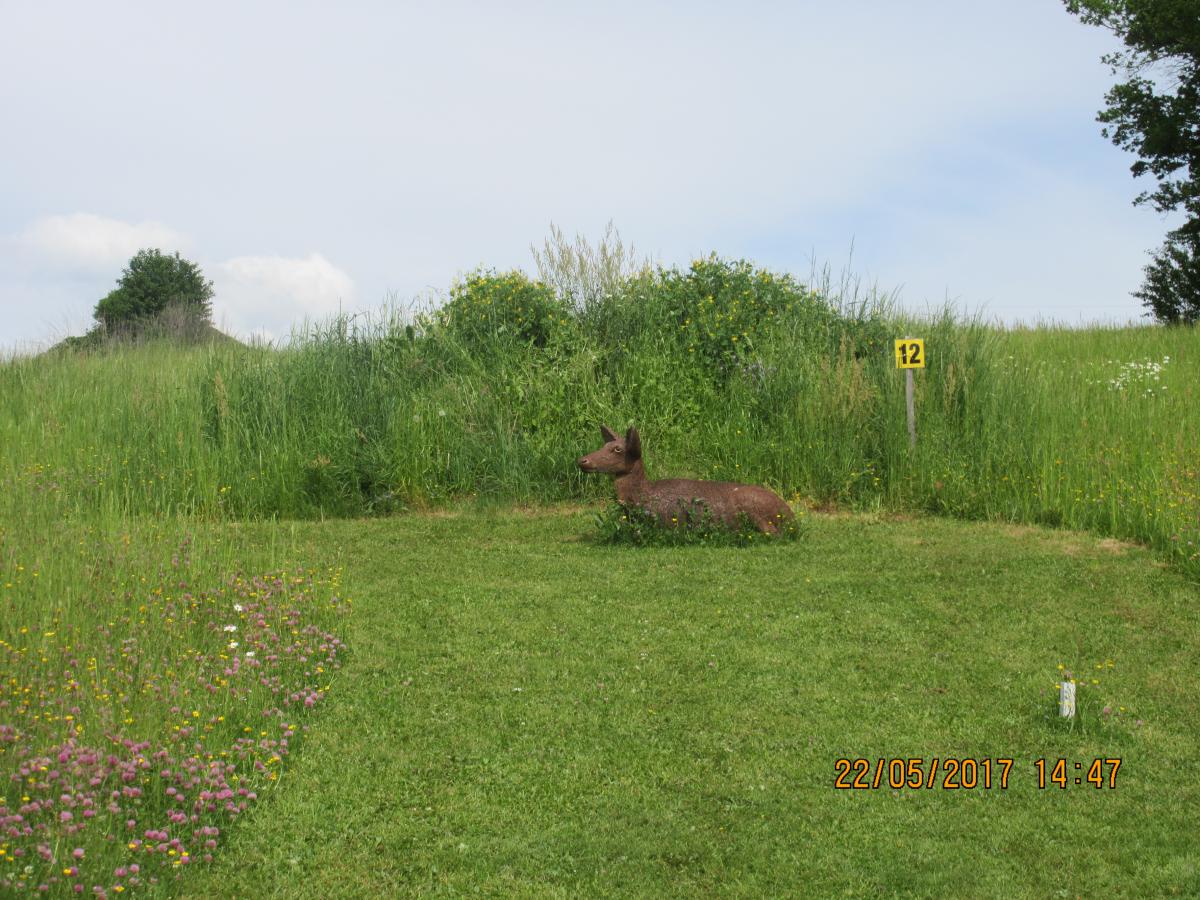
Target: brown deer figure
675	500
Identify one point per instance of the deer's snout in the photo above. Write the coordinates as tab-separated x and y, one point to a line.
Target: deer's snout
585	463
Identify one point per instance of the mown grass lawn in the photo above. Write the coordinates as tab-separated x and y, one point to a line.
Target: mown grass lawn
527	712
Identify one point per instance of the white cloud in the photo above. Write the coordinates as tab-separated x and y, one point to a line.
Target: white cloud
264	296
87	241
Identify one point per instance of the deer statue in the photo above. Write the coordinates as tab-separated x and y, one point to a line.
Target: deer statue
676	500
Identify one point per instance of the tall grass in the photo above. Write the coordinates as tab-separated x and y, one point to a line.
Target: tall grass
729	372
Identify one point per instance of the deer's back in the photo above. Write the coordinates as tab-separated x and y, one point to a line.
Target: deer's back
725	499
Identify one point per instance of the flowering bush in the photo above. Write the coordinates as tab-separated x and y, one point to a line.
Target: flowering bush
488	308
720	309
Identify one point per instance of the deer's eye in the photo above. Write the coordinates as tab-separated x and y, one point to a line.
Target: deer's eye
616	450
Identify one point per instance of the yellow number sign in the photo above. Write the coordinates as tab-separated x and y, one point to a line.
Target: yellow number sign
910	353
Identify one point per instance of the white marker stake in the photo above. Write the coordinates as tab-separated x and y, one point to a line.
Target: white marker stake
1066	700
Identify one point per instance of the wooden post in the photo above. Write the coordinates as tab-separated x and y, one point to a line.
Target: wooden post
910	354
912	412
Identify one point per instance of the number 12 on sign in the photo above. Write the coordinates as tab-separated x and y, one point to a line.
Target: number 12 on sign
910	353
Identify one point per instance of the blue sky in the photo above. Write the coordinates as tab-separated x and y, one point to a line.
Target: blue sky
313	156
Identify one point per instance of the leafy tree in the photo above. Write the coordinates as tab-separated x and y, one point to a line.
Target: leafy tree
1155	113
1172	286
150	284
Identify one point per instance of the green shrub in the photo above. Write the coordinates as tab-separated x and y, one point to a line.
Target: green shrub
490	309
721	311
81	343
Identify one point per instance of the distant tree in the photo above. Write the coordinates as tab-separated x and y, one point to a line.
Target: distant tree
1172	286
1155	113
149	285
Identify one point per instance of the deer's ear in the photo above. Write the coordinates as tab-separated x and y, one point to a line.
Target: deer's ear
608	434
633	445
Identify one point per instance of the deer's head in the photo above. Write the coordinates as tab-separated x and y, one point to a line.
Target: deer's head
618	454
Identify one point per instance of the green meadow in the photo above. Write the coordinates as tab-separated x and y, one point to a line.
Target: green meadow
335	618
